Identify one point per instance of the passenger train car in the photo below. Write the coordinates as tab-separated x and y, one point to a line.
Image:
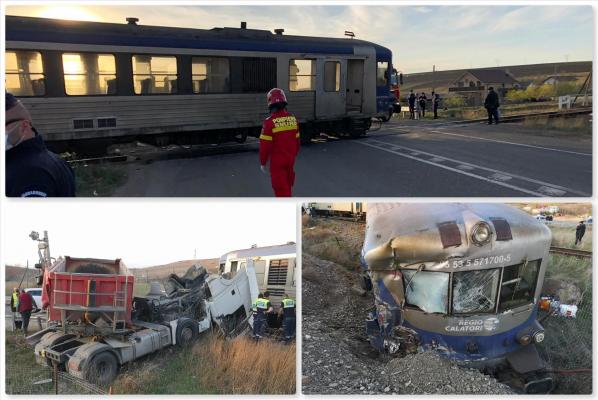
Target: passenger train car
463	279
274	268
108	81
351	210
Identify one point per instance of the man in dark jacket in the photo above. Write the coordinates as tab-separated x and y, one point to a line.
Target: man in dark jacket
422	104
25	308
32	170
491	103
411	99
436	100
580	230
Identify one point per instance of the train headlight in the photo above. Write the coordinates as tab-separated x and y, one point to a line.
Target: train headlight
539	336
525	339
481	234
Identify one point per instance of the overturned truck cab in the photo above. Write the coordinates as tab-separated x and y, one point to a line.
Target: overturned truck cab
462	280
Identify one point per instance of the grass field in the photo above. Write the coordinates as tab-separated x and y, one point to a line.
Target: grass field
565	237
211	366
216	366
98	179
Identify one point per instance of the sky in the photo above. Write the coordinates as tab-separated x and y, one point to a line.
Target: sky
152	233
420	36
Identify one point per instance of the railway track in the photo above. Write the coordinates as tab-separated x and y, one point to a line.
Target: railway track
521	117
571	252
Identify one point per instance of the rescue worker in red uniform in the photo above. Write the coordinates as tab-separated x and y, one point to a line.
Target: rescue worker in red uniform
279	143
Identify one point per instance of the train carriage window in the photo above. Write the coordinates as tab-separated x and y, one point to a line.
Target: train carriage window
475	291
210	75
518	285
24	73
154	74
427	291
89	74
382	74
259	74
302	75
332	76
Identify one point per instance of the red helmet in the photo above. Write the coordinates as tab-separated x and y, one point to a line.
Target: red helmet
275	96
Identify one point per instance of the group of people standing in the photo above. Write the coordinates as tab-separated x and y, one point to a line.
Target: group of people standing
21	302
418	103
262	307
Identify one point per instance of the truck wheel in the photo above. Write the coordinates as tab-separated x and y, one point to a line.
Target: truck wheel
187	332
102	369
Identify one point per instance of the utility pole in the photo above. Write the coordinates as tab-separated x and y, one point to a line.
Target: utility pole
433	78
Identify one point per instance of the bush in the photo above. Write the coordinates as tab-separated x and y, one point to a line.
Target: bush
454	102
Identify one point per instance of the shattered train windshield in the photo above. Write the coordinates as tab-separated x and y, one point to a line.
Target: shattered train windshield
426	290
475	291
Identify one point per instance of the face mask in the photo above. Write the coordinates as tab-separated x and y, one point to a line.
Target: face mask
9	133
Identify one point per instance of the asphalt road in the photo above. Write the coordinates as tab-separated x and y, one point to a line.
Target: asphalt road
402	159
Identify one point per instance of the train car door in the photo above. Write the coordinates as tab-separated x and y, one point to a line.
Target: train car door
354	86
330	88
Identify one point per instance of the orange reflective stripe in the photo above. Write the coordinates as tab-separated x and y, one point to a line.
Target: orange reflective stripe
265	137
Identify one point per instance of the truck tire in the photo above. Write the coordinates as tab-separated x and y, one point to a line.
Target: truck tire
187	332
101	369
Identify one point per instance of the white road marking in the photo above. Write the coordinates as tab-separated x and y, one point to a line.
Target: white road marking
501	177
549	191
511	143
460	170
539	182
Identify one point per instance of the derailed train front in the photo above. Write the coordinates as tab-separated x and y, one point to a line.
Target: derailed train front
463	279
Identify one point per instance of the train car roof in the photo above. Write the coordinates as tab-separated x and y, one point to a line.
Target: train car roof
288	248
100	33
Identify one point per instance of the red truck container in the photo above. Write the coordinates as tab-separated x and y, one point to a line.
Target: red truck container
92	291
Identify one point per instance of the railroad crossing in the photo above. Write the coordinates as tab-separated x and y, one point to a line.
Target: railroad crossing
401	158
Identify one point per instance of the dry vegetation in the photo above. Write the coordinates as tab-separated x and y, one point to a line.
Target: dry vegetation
565	237
328	240
581	124
242	366
215	366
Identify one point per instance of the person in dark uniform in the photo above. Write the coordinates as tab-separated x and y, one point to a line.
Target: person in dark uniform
260	321
580	230
491	103
411	100
288	317
31	169
436	104
422	104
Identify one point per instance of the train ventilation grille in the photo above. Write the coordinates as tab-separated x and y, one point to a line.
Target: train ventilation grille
277	273
83	123
107	122
449	234
275	292
502	228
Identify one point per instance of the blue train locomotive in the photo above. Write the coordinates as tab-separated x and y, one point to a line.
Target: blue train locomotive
463	279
